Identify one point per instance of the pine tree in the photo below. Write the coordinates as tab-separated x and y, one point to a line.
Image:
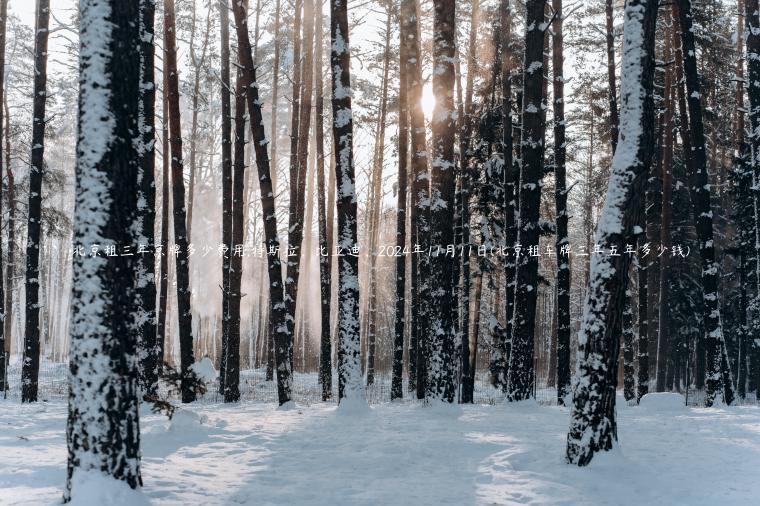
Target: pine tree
521	373
593	426
719	379
31	366
3	310
148	346
182	262
560	197
442	337
350	386
276	290
103	432
325	258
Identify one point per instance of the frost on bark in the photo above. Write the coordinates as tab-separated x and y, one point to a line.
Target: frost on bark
274	269
182	262
442	372
592	426
31	365
629	383
560	197
521	373
149	352
349	357
103	433
718	379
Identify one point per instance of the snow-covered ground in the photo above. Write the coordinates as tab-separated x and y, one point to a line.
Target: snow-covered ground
254	453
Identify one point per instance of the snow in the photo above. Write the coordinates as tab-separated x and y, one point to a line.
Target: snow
204	369
253	453
663	401
93	487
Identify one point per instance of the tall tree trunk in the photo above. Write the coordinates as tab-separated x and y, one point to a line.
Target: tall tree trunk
663	343
441	384
325	257
148	347
198	64
592	426
350	386
31	366
3	299
409	30
274	269
231	357
521	373
375	221
103	431
560	197
397	390
611	79
299	155
226	89
184	309
718	375
752	20
10	267
163	297
465	116
511	181
295	226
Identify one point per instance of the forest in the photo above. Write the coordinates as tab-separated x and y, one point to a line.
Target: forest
322	252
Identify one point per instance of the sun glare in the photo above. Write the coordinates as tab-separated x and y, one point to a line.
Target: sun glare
428	101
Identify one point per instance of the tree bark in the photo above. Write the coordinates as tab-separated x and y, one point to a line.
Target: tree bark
521	373
163	297
611	78
184	309
718	376
560	197
4	309
103	432
441	384
31	366
397	391
592	426
350	386
148	347
325	257
276	291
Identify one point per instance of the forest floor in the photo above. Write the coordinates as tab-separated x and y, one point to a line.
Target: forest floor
254	453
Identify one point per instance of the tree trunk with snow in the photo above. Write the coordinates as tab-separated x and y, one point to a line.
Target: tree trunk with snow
276	290
719	379
3	309
31	366
592	426
231	357
442	379
103	432
182	261
325	257
149	350
521	373
397	391
226	89
349	358
560	197
611	78
163	296
629	383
